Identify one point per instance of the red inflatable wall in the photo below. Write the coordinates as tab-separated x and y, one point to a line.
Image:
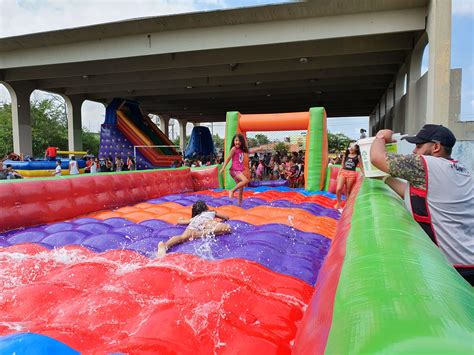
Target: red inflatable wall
205	178
31	202
333	171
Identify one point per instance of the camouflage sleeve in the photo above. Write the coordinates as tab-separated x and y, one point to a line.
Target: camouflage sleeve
409	167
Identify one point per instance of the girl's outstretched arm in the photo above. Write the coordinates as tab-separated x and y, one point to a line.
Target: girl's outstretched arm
183	221
229	157
222	216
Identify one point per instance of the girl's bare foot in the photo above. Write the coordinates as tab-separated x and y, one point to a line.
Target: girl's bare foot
161	249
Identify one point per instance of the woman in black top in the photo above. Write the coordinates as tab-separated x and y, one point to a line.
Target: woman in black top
347	173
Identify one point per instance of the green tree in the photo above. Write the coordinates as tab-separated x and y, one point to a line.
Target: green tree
282	148
49	128
90	141
252	142
6	135
338	142
262	139
218	141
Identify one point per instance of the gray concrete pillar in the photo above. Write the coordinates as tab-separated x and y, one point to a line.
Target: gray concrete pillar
74	121
182	134
412	122
377	118
371	125
398	120
165	124
438	85
20	93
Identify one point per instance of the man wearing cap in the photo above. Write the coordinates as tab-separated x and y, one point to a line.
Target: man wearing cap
439	191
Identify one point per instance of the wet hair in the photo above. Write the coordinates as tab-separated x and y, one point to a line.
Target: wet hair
243	144
199	207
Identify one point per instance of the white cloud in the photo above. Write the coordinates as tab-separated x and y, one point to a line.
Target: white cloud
463	7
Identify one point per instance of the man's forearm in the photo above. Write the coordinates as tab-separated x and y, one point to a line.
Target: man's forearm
396	185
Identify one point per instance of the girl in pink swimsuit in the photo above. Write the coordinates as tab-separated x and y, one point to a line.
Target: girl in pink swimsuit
237	151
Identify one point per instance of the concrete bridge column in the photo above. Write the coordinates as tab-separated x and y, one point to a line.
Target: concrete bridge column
389	107
371	124
20	93
165	124
74	121
182	134
383	111
412	122
398	110
438	86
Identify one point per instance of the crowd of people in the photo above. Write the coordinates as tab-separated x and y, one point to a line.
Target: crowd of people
274	166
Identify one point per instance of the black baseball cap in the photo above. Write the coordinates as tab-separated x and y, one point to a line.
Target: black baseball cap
433	133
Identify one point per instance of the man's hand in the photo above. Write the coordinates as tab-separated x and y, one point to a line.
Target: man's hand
385	134
378	151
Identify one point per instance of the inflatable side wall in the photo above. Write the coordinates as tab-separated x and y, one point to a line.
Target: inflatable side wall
30	202
385	287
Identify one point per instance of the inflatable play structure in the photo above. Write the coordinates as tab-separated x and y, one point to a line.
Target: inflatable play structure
200	143
314	122
79	272
127	131
42	168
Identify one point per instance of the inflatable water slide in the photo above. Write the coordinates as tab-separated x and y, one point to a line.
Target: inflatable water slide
79	272
126	127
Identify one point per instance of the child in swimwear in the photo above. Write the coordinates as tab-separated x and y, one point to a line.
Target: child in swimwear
202	223
236	153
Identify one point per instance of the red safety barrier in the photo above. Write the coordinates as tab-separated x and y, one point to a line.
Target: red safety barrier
26	203
333	171
205	178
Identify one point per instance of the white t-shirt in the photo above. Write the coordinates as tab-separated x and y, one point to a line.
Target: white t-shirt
200	222
93	168
73	170
57	171
450	197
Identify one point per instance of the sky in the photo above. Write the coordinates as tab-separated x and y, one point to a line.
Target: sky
29	16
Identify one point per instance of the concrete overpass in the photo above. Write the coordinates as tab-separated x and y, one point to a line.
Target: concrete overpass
354	57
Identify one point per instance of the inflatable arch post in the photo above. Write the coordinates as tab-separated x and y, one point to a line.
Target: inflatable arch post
314	122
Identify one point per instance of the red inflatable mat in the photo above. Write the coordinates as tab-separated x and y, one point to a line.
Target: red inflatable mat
120	301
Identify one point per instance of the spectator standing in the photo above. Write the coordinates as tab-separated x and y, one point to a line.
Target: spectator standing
94	166
51	153
57	171
73	168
